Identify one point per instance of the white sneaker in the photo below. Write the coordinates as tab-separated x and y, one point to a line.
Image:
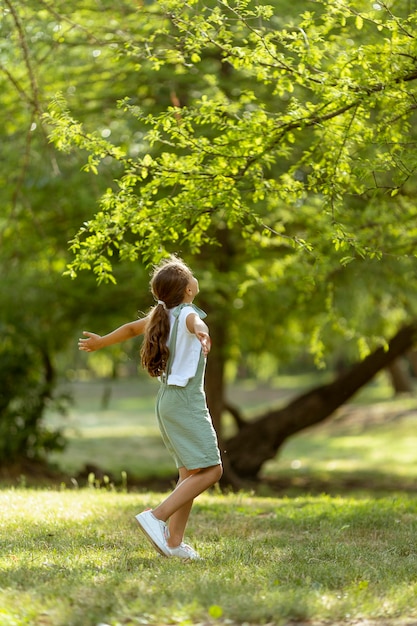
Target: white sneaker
184	551
155	530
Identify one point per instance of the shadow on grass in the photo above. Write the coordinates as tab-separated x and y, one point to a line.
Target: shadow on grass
336	483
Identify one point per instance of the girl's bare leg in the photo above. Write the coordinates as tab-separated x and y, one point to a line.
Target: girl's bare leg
177	505
178	520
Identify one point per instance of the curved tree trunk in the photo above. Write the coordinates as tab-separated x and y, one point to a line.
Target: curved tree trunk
259	440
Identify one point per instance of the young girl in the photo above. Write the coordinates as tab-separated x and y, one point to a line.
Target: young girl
176	343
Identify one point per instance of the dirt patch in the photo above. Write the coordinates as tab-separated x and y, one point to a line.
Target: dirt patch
31	473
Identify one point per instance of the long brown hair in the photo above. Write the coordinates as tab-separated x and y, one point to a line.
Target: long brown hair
168	284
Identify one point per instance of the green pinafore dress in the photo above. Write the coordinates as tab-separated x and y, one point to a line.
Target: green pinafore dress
182	414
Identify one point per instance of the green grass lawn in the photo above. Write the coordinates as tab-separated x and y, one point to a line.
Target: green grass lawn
76	558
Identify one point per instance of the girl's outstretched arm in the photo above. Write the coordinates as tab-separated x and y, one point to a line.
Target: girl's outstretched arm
93	342
200	329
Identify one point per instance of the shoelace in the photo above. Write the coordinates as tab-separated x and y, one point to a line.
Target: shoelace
182	546
187	548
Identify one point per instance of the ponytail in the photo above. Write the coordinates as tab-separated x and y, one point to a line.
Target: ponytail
154	351
168	285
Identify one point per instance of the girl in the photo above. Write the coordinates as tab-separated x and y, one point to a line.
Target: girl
176	343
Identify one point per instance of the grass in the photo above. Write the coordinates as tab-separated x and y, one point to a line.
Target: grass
74	556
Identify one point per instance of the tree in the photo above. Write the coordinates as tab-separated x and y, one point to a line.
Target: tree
297	163
305	168
274	157
326	143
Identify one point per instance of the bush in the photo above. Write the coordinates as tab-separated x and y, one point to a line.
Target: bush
27	384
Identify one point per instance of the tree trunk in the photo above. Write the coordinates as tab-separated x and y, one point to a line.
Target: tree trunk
412	359
400	377
215	393
259	440
215	375
219	326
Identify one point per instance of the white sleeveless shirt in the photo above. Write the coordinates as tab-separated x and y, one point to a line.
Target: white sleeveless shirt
187	348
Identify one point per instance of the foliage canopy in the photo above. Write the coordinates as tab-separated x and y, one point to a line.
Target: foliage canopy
285	138
301	137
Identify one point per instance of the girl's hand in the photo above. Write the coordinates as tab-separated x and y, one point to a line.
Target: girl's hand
91	343
204	339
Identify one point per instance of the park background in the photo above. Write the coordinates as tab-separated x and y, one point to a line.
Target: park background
272	146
